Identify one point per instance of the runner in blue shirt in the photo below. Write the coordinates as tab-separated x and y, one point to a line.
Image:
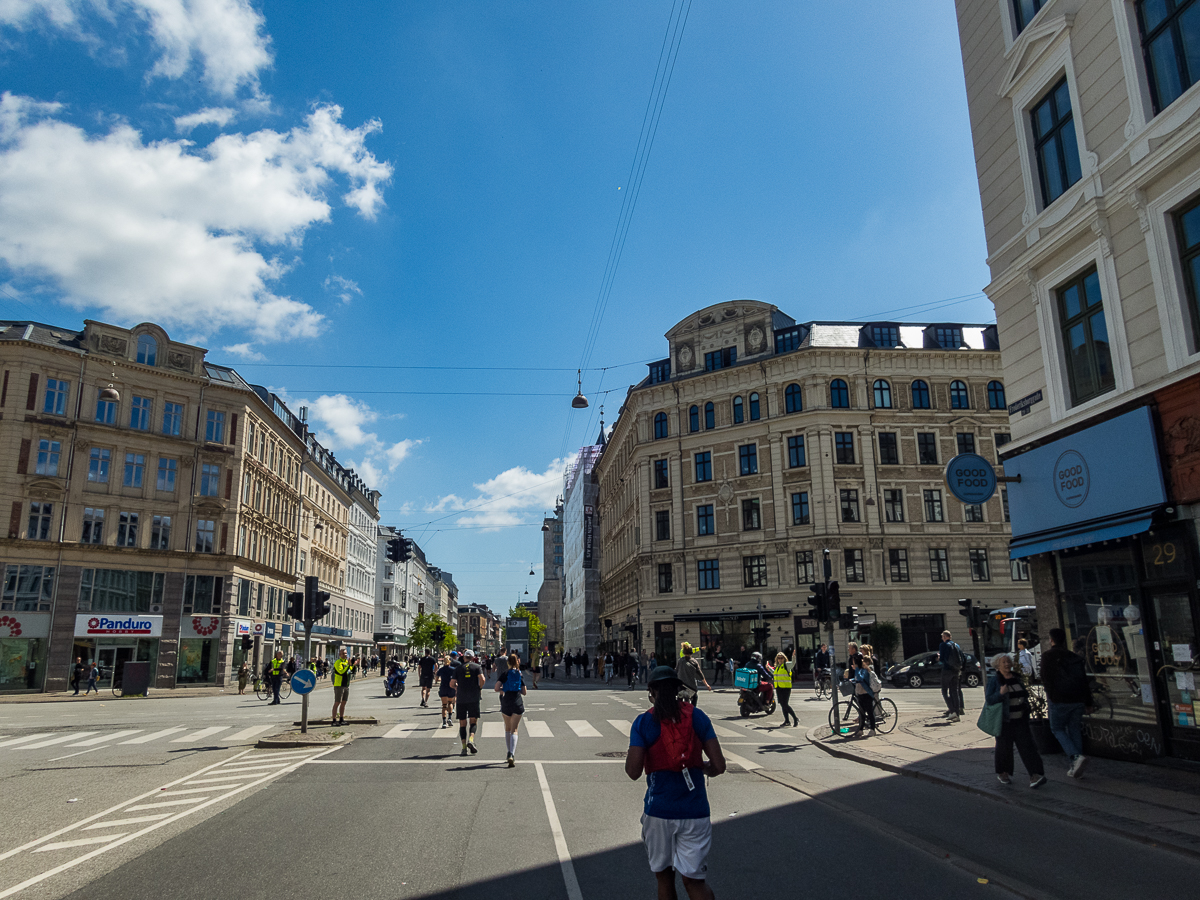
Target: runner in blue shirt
667	743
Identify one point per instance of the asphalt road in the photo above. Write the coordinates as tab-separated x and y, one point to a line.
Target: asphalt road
398	813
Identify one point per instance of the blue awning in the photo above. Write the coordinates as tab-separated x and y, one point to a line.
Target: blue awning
1090	532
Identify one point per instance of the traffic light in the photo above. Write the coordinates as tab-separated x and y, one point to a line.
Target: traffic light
817	602
760	634
321	605
439	635
395	547
848	621
833	601
966	607
406	548
295	605
247	643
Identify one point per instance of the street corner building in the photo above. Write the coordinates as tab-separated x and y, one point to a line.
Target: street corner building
760	442
160	508
1086	124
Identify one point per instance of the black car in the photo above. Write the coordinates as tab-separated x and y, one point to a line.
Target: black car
924	668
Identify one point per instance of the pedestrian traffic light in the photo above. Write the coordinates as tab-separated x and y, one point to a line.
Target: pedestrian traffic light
816	602
395	547
295	604
321	605
848	621
833	601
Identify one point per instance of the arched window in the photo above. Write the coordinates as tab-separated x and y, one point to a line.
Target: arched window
147	349
739	413
920	394
660	426
710	415
754	408
793	400
839	394
996	395
959	398
883	394
694	419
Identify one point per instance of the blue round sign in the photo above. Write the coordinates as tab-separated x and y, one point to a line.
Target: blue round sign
1072	480
971	478
304	681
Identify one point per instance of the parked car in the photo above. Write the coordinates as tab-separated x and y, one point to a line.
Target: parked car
924	668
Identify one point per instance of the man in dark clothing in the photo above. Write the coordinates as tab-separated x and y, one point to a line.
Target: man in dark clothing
77	673
426	667
1068	693
468	685
951	657
583	661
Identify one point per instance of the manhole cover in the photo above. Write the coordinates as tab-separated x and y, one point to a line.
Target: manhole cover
612	754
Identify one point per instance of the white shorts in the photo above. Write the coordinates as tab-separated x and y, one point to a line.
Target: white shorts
681	844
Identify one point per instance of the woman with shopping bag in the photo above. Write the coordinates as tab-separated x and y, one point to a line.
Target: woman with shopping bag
1005	716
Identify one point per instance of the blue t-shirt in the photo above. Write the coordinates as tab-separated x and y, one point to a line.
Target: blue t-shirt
667	794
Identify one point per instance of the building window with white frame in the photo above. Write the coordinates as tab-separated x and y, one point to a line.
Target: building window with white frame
98	460
1084	333
56	397
40	516
979	564
898	565
160	533
93	526
855	571
166	474
1187	231
140	410
205	529
1054	143
1170	47
49	453
1024	11
1020	570
939	564
172	419
127	529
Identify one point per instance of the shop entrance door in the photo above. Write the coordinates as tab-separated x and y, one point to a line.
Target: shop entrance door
112	660
1175	658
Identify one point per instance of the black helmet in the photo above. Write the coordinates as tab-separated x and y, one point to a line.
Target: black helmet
660	674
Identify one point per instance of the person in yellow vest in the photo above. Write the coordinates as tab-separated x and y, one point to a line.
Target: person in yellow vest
341	688
783	687
276	671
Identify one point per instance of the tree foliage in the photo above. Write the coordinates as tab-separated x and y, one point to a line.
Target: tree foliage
422	633
885	638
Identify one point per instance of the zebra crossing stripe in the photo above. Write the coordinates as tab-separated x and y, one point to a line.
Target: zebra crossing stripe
154	736
12	742
198	735
621	725
61	739
582	728
403	730
536	729
493	729
247	733
106	737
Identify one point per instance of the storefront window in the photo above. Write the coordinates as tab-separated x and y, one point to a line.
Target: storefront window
28	588
118	590
197	661
22	663
201	594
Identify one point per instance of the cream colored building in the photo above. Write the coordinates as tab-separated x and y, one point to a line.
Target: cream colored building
155	509
760	442
1086	123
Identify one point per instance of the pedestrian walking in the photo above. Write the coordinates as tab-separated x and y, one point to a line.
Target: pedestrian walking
77	674
669	742
1005	687
1025	658
243	677
690	675
608	668
425	668
952	658
534	668
341	688
822	665
783	688
1068	695
583	664
277	669
719	667
864	694
93	676
468	687
445	692
511	688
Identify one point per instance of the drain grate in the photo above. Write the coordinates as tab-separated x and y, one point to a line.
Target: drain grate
612	754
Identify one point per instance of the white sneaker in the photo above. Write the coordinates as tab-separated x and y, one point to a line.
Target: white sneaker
954	718
1076	766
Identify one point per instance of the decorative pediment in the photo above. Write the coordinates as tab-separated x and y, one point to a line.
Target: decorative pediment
44	488
1029	49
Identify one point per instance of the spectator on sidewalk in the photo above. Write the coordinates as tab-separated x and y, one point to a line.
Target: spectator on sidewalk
951	656
1005	687
1025	659
690	674
77	673
93	676
1068	694
243	677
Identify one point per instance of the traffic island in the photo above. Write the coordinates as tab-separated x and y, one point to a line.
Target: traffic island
293	739
325	723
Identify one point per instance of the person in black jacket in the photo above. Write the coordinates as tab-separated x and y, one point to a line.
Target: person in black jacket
1068	694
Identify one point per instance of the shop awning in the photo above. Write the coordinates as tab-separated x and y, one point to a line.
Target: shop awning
1089	532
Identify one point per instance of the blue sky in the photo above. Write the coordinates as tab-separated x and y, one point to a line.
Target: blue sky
399	213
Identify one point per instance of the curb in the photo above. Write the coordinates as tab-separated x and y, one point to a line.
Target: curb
365	720
288	744
159	694
1159	840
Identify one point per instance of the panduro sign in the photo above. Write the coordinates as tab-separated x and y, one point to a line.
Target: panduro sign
117	625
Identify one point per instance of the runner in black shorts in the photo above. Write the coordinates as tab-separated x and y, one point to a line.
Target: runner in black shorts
511	688
426	667
445	692
468	682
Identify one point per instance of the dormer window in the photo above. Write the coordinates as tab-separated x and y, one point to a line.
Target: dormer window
948	337
789	339
660	371
147	350
885	335
720	359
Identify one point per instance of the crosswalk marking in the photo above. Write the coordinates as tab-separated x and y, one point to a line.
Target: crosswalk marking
147	738
536	729
164	804
132	821
403	730
80	842
582	728
12	742
106	737
230	778
621	725
61	739
199	735
722	731
247	733
493	729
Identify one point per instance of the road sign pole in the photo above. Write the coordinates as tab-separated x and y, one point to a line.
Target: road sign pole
307	661
833	684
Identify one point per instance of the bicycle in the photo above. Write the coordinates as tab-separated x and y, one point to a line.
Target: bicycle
262	688
886	715
822	686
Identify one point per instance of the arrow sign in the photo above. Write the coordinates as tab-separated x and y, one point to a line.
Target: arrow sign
304	681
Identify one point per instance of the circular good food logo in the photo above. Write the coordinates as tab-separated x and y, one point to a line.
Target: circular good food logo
1071	479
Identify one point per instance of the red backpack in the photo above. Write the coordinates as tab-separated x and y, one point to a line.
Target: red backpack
678	746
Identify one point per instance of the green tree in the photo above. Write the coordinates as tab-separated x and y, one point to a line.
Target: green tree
422	633
885	638
537	631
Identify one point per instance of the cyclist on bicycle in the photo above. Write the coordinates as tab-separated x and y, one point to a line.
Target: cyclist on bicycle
822	662
864	695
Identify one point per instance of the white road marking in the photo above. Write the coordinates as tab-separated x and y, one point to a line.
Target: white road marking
81	842
621	725
69	755
400	731
537	729
12	742
444	762
106	737
248	733
199	735
560	840
721	731
207	790
154	736
215	780
61	739
741	761
163	805
268	765
134	820
582	728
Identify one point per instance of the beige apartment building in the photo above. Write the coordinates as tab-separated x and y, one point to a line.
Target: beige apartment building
760	442
155	508
1086	123
549	595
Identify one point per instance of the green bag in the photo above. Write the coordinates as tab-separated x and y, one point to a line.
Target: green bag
991	718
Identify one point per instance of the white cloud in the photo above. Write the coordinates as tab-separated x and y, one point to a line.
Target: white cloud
167	227
509	498
212	115
340	423
245	351
224	38
343	287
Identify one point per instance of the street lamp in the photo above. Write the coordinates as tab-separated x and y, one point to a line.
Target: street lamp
579	401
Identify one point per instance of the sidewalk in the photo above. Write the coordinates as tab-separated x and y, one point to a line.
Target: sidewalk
1153	804
155	693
